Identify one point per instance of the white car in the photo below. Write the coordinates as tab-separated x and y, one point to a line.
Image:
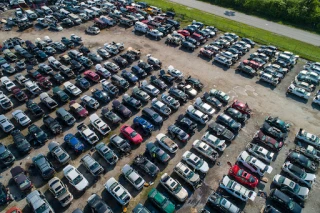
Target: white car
133	177
60	191
7	83
312	74
5	102
203	107
89	135
174	187
149	88
174	72
269	79
188	175
21	79
54	63
155	33
237	190
304	85
21	117
302	93
214	141
75	178
195	162
48	101
99	124
253	164
291	187
93	30
197	115
120	193
32	87
167	143
6	124
223	60
71	88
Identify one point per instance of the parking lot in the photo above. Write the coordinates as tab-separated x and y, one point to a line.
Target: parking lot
261	98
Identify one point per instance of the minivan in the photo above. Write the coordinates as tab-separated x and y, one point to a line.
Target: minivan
65	116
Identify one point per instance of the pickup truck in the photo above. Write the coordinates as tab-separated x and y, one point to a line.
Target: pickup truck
87	133
52	124
48	101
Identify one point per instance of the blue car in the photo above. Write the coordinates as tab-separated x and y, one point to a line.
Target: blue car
74	143
144	125
100	95
131	78
138	72
82	82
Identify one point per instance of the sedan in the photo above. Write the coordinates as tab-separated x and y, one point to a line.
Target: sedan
175	132
243	177
229	122
74	143
106	153
75	178
262	138
120	108
97	204
303	161
131	134
133	177
21	117
273	132
195	162
157	153
120	193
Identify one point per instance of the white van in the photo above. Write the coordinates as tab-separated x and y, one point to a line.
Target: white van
141	27
47	10
31	15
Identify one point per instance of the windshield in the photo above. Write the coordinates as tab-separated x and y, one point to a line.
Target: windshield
42	208
133	134
77	180
94	166
24	183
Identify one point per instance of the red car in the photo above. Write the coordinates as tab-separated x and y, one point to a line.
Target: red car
241	107
19	94
131	134
93	76
267	140
44	82
198	38
14	210
185	33
243	177
206	53
255	65
77	109
160	19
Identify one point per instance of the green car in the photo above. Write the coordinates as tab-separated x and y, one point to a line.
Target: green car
161	201
60	94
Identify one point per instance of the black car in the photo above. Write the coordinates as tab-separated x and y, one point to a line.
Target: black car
186	124
37	134
152	116
212	100
120	61
84	50
41	55
95	57
120	143
97	204
129	57
5	195
139	72
178	94
236	115
174	23
146	165
44	166
76	66
57	77
110	116
284	201
51	123
145	66
21	142
188	45
34	108
249	41
121	109
131	101
6	157
119	82
303	161
273	131
158	83
229	122
221	131
175	132
169	79
196	83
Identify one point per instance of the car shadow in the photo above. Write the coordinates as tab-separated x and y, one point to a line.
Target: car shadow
296	98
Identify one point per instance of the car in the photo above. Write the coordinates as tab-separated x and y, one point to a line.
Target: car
152	116
120	108
161	201
143	125
6	124
54	63
140	208
269	79
157	153
298	174
170	101
93	30
139	72
177	74
222	204
243	177
37	201
221	96
106	153
44	166
291	188
273	131
214	141
186	124
20	142
167	143
253	164
155	34
82	82
222	60
21	179
129	57
6	157
174	187
302	161
91	76
284	201
57	92
203	107
100	95
7	68
246	69
97	205
260	152
120	193
175	132
185	33
146	165
60	191
150	89
262	138
120	82
308	138
160	107
99	124
48	101
75	178
103	53
166	77
95	57
112	49
32	87
120	61
196	83
65	59
21	79
303	85
158	83
120	143
188	45
89	102
110	116
92	165
74	143
37	134
21	117
197	115
154	62
236	189
103	72
187	89
131	101
205	150
72	89
87	134
302	93
7	83
140	94
58	152
77	109
241	107
129	76
236	115
195	162
188	175
131	134
145	66
58	78
133	177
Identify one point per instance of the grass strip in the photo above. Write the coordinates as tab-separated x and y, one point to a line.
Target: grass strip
186	14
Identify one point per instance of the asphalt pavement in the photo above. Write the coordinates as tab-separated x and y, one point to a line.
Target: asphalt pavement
291	32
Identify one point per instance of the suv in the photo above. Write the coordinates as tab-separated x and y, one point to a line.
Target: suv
44	166
38	202
269	79
65	116
92	165
285	201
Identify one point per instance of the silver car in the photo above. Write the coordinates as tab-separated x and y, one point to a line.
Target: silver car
133	177
92	165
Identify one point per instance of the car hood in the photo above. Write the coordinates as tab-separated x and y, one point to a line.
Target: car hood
303	191
182	194
204	168
82	185
310	177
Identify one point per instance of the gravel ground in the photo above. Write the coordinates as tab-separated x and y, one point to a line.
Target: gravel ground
261	98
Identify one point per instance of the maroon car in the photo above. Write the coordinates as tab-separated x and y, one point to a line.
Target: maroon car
241	107
255	65
262	138
78	109
44	82
19	94
20	178
198	38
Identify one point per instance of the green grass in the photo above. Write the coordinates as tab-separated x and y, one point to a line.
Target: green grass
185	15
